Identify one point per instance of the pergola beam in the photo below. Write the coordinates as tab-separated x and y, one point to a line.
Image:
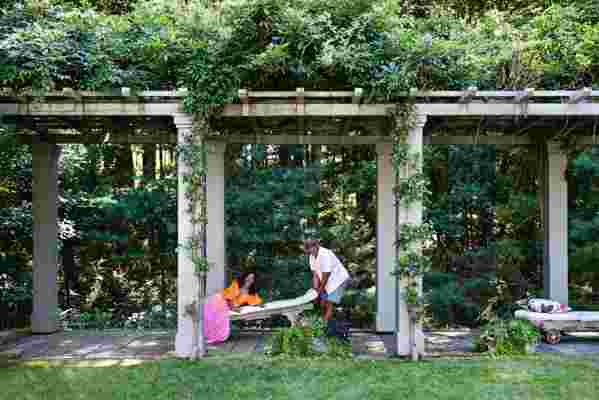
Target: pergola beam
468	95
524	96
489	140
120	107
171	138
582	95
302	139
128	106
432	110
97	139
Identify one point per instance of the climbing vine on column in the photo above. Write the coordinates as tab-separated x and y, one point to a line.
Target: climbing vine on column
411	188
193	155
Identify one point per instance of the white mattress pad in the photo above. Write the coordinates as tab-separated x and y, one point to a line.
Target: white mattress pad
569	316
309	296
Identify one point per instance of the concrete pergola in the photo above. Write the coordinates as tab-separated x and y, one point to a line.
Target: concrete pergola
297	117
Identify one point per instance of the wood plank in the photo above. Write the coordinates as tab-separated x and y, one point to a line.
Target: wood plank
92	109
310	109
97	139
487	140
504	141
430	109
302	139
579	96
182	92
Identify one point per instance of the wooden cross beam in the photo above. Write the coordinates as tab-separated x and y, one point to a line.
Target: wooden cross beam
468	94
580	96
525	96
243	96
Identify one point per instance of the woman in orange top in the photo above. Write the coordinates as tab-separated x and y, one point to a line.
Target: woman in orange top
242	291
245	295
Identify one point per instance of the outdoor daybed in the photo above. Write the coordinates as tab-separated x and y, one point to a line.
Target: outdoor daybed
553	325
291	309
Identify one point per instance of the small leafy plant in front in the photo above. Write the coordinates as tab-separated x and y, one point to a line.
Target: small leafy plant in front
308	340
508	337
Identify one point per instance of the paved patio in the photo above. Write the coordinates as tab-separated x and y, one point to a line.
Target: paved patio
156	345
118	344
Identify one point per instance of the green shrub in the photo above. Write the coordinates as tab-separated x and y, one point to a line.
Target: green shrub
153	317
316	324
361	305
338	349
295	341
507	337
302	341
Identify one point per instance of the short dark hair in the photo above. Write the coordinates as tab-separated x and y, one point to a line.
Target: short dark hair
310	244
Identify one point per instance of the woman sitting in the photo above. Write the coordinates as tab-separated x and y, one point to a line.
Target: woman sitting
242	291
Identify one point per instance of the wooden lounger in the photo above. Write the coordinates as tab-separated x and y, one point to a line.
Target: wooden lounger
553	325
290	309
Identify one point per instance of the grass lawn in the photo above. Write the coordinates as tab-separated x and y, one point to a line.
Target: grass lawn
242	377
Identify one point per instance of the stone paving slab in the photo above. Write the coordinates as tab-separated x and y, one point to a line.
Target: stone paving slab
86	345
437	343
579	345
80	345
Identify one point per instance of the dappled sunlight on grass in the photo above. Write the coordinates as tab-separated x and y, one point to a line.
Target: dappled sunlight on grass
236	376
92	363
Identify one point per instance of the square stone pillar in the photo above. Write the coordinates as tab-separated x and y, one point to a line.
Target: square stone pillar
215	196
386	301
187	281
555	223
411	215
44	318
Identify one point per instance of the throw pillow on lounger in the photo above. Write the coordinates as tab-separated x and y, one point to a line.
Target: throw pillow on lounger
547	306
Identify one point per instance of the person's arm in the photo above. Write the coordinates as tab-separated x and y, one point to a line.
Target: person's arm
232	291
325	269
315	281
323	282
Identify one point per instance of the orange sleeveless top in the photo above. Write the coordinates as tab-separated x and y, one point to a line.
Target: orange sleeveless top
233	294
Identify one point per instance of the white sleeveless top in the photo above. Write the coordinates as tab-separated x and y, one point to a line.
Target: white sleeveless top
327	261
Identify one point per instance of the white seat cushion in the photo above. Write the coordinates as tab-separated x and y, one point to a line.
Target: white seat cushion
569	316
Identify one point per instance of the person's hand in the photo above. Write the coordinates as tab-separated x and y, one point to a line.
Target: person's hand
318	300
322	295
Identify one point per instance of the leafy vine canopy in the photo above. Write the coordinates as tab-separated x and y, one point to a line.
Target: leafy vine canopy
215	47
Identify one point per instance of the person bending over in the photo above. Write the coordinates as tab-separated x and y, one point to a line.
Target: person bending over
329	276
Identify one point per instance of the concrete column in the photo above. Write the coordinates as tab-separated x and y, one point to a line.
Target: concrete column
386	302
45	238
555	223
215	182
187	282
411	215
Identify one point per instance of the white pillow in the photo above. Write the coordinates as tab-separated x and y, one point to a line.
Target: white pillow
547	306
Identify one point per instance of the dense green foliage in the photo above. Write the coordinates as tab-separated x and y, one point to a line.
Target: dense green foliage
118	239
215	48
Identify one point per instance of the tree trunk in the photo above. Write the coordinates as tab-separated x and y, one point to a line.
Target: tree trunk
68	267
149	162
123	166
284	155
